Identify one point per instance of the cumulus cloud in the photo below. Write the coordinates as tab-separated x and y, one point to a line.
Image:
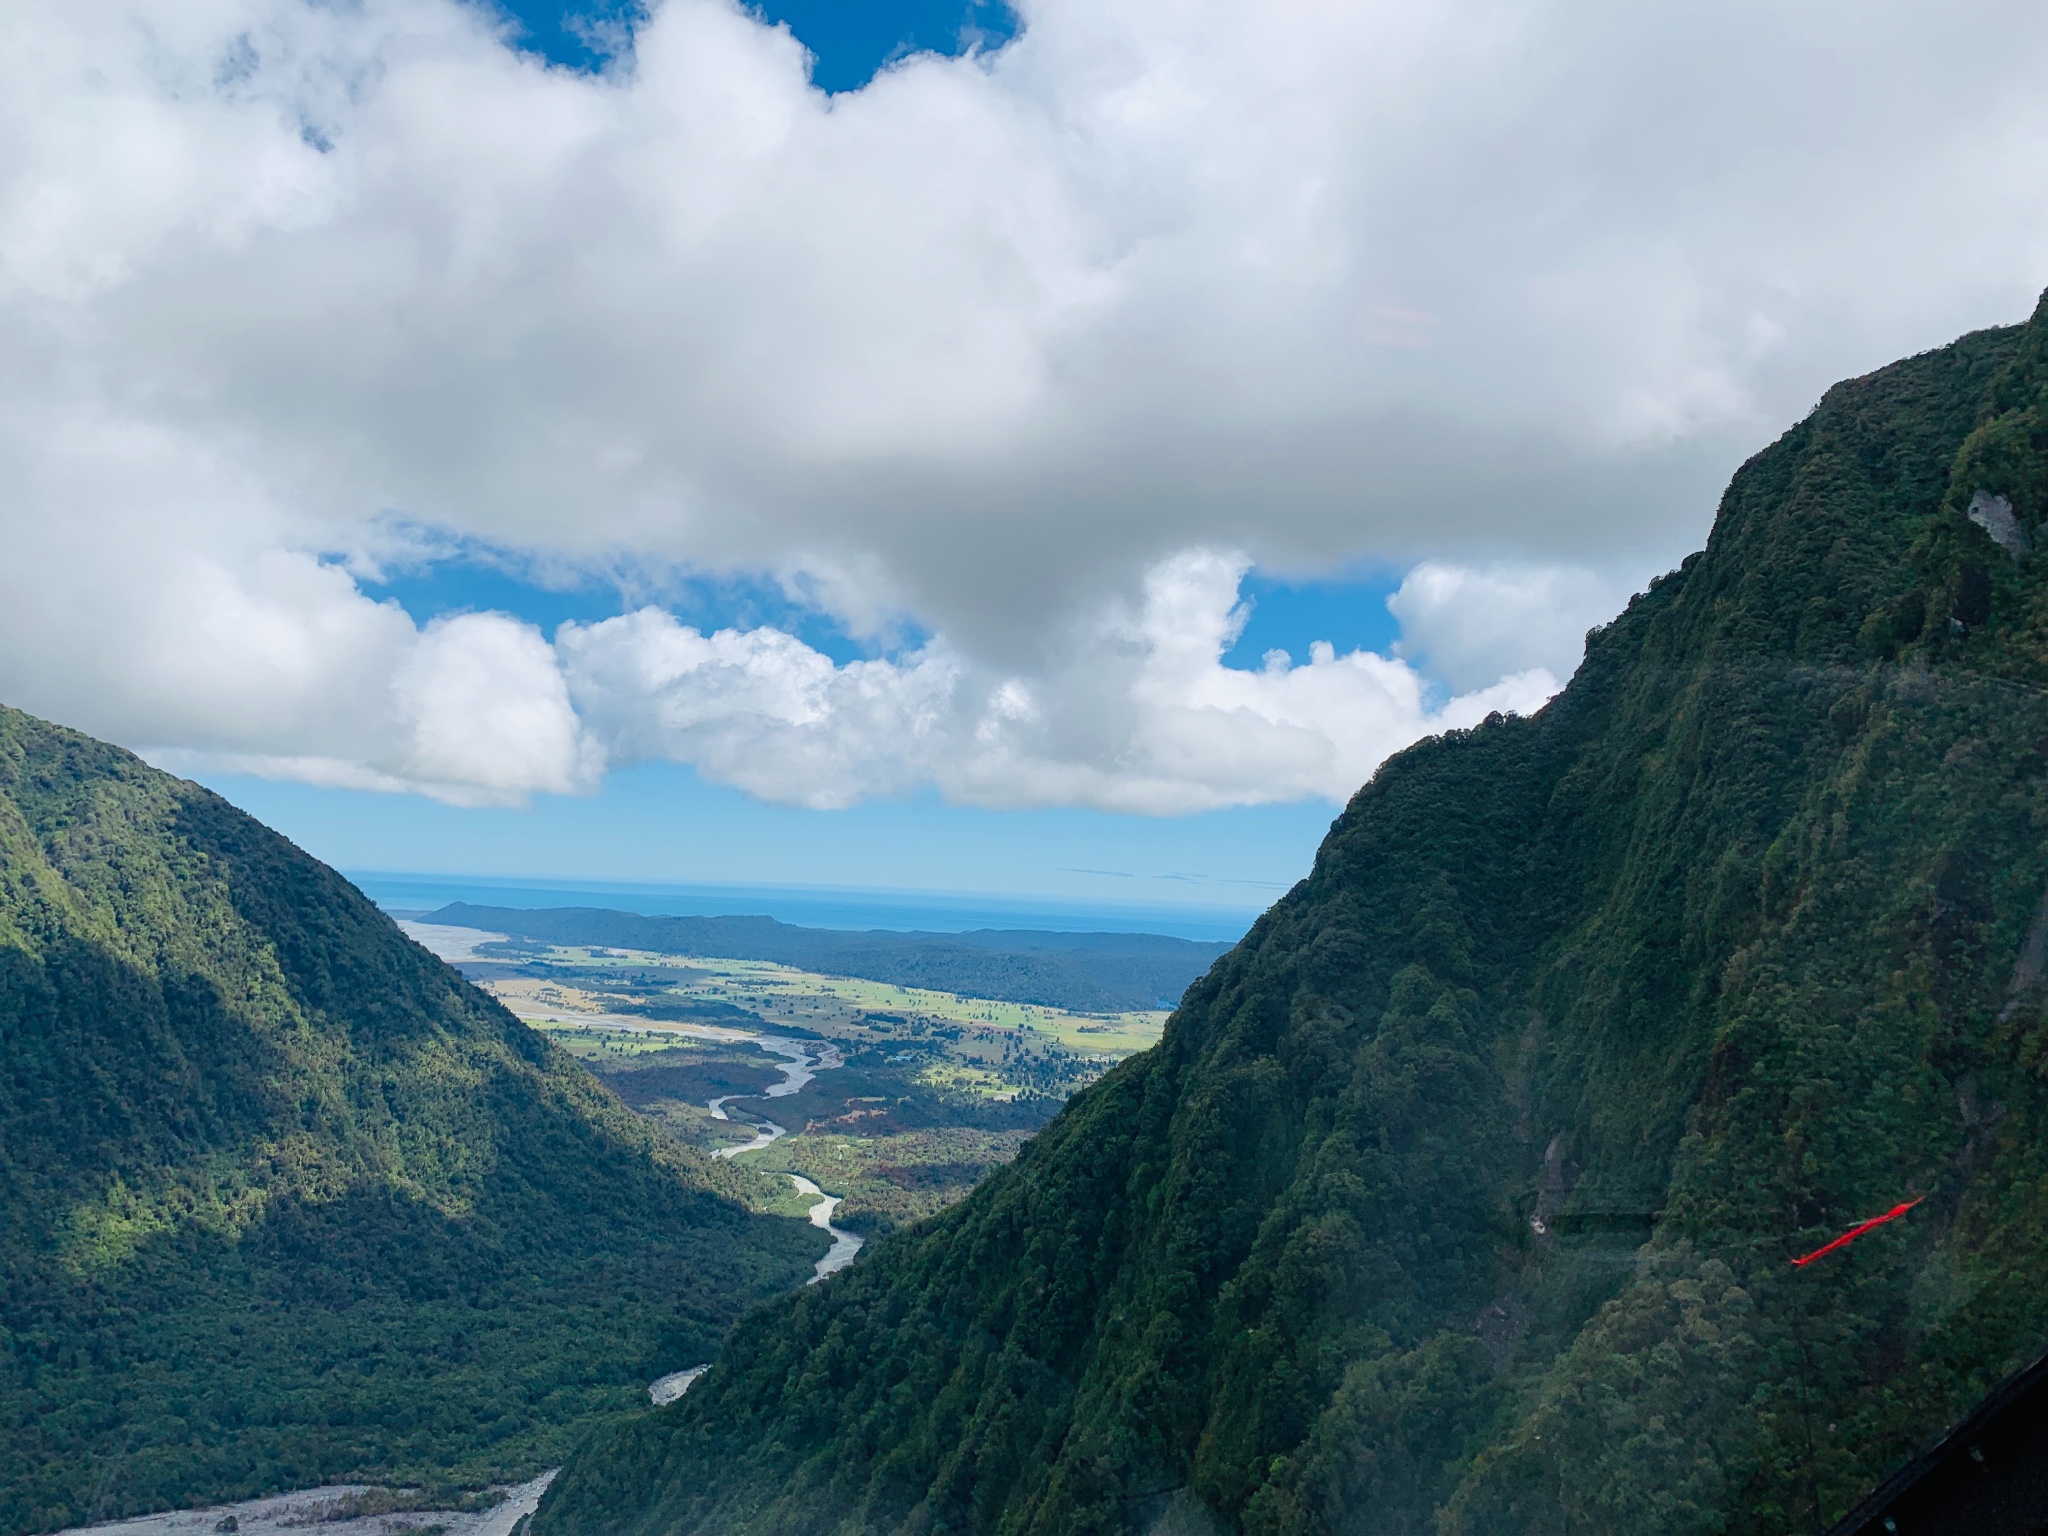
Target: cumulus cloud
1467	625
1136	712
147	598
489	708
992	349
759	708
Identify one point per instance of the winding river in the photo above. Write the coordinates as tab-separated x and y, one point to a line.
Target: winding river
798	1068
802	1061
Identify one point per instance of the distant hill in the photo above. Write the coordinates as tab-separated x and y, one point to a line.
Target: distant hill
286	1201
1084	972
1461	1197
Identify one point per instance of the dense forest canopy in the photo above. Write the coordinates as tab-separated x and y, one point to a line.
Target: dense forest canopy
1460	1196
286	1199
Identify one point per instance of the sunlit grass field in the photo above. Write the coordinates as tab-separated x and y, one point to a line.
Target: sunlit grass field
926	1101
783	995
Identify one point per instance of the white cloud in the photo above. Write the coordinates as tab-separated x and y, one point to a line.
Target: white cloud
1470	624
759	708
986	348
1138	713
489	712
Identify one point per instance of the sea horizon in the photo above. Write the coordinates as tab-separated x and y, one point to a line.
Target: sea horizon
853	908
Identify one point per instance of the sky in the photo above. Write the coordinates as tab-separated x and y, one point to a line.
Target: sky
1056	451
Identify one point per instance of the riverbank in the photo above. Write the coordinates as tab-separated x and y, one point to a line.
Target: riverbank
342	1509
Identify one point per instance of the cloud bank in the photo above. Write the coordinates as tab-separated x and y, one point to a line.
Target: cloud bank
1136	713
1030	352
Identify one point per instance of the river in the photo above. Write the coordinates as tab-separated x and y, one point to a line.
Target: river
334	1511
798	1069
801	1061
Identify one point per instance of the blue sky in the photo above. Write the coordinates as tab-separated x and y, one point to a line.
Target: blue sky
660	824
850	39
477	578
1287	614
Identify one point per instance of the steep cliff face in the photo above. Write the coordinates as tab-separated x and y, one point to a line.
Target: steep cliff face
287	1200
1460	1197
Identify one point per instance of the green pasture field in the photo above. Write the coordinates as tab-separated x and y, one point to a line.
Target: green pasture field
840	1006
928	1102
891	1181
599	1041
886	1180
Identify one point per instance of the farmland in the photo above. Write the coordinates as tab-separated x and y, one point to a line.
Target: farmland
922	1094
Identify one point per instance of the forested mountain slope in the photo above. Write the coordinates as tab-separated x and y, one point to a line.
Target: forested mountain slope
1460	1196
285	1199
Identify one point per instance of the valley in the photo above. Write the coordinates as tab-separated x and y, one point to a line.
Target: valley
1458	1196
852	1107
906	1097
1471	1192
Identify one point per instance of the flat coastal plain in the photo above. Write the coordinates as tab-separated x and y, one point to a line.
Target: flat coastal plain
910	1098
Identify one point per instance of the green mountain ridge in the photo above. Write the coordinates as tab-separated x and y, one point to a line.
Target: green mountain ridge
287	1201
1459	1197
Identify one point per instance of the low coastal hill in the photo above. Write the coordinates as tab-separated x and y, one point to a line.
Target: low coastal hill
1086	972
